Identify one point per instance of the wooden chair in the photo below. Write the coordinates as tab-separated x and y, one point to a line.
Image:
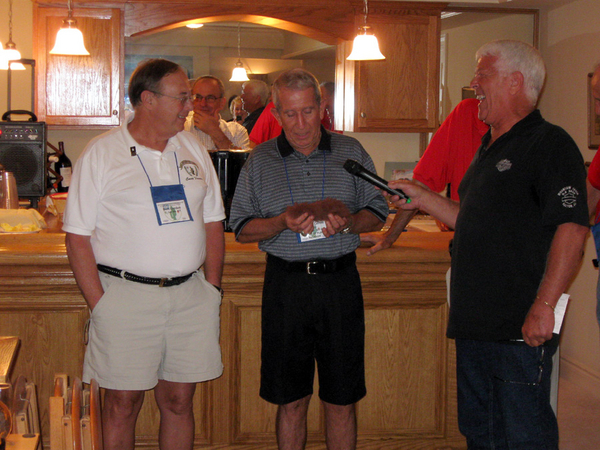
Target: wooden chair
25	411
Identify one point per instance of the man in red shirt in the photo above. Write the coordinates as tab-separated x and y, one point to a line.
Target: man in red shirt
444	162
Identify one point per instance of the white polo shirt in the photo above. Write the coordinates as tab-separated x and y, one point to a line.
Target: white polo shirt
109	200
236	133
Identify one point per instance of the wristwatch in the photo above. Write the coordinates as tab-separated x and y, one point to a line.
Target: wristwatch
346	230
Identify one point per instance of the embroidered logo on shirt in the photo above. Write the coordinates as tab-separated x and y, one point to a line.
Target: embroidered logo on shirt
503	165
191	168
568	196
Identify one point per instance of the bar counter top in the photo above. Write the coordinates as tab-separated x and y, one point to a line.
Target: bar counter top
411	399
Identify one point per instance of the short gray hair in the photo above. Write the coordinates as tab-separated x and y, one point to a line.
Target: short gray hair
517	56
296	80
215	79
260	88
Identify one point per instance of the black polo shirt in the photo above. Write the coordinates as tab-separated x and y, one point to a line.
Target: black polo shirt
513	197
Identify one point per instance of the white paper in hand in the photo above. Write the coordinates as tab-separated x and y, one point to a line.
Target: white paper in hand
559	312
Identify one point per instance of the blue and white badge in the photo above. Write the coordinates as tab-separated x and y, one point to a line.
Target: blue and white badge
170	204
316	234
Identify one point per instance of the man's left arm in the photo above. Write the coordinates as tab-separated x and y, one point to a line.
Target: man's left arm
362	221
215	253
563	261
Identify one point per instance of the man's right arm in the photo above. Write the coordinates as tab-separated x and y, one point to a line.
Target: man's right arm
442	208
83	264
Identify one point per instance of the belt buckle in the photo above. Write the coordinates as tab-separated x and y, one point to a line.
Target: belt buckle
310	265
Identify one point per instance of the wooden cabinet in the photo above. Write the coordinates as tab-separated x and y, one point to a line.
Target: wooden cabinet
400	93
410	365
80	90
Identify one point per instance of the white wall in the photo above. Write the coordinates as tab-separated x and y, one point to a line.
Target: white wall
570	44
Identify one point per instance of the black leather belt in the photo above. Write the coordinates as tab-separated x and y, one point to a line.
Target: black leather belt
160	282
314	267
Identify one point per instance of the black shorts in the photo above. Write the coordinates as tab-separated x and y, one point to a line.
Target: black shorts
308	318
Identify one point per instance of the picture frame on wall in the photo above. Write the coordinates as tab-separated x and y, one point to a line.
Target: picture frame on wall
593	118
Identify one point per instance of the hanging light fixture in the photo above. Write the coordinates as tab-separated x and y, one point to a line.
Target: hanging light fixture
69	39
365	47
10	53
239	72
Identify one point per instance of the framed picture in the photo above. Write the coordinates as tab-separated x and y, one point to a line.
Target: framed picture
593	118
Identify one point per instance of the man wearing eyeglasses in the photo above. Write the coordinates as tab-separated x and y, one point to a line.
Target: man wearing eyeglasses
144	213
206	123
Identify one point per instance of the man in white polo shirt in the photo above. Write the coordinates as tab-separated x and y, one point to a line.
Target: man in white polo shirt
206	123
143	215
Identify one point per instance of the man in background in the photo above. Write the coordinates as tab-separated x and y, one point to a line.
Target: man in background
144	213
296	200
593	182
444	162
255	95
206	124
519	234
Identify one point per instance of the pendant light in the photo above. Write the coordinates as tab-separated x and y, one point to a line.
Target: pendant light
69	39
10	53
365	47
239	72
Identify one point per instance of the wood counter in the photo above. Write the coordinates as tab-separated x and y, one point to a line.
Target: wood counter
411	388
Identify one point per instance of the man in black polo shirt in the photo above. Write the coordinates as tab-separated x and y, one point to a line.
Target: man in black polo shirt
294	197
520	228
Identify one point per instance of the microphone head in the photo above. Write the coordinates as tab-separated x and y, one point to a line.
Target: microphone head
352	166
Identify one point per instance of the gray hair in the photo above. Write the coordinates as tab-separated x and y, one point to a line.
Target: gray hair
260	88
216	80
517	56
296	80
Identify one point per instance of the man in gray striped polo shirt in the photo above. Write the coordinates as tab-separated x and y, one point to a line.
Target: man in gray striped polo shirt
295	199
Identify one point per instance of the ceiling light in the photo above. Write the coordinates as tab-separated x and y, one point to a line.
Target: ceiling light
239	72
10	53
69	39
194	25
365	46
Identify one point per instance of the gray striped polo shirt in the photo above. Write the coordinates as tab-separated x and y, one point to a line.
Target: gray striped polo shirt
276	176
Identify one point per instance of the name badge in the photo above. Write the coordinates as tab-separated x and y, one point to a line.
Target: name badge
317	232
170	204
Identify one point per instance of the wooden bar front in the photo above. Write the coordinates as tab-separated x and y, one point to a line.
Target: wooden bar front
411	388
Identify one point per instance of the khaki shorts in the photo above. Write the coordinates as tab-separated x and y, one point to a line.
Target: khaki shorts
141	333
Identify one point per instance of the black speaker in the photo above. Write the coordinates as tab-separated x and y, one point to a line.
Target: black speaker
23	152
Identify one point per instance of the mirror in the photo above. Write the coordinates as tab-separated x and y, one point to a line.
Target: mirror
213	49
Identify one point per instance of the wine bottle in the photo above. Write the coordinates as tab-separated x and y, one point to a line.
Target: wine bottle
64	168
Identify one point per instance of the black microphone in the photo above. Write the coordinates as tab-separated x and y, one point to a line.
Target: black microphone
356	169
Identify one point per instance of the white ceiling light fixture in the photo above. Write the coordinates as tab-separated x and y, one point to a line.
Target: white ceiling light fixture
365	46
239	72
10	53
194	26
69	39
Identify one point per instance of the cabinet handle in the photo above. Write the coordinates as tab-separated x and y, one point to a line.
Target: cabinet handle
115	112
363	115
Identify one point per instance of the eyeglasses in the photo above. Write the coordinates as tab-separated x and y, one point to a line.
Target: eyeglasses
182	100
208	98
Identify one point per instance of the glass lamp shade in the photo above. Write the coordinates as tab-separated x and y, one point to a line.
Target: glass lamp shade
365	48
10	53
69	41
239	73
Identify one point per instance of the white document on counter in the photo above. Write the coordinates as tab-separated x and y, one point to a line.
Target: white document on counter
559	312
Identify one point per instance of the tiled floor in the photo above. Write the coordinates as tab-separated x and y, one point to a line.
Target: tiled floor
578	418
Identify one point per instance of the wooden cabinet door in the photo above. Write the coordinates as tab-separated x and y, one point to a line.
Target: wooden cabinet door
400	93
79	90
